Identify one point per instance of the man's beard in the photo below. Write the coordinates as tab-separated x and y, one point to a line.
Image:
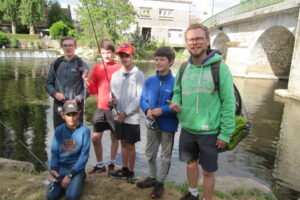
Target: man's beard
198	55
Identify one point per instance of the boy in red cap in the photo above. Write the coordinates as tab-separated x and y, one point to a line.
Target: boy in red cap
126	86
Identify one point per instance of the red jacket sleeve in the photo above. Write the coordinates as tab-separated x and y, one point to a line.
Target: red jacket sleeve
94	80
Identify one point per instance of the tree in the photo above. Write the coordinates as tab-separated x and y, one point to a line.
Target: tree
56	14
111	18
32	11
10	9
59	30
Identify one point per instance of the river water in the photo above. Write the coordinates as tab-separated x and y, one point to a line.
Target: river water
270	154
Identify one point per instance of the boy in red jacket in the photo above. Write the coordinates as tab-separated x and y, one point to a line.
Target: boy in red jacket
99	84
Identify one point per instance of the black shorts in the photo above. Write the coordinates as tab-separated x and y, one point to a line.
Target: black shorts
103	120
199	147
128	132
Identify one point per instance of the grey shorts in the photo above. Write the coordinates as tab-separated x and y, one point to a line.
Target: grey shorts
103	120
128	132
199	147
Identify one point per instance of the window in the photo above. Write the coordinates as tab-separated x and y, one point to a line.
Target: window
165	13
145	12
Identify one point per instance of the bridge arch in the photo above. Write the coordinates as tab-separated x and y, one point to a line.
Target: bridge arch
272	53
221	42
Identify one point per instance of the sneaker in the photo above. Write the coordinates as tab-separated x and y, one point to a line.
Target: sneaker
130	177
148	182
111	168
157	191
97	170
121	173
189	196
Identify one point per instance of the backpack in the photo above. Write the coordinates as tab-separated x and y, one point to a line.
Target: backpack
242	126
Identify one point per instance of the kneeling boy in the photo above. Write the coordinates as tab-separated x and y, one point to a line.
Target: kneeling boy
69	154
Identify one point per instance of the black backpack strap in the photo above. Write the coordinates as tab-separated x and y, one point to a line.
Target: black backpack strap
215	68
79	65
57	63
182	68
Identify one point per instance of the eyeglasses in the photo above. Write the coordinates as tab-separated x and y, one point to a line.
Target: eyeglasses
195	40
67	45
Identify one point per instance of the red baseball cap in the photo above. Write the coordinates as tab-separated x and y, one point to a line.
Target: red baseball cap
125	48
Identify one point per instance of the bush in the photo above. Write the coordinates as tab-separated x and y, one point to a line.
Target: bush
3	40
138	42
14	43
74	33
59	30
31	44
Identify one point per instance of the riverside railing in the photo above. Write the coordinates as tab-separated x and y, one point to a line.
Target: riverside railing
243	7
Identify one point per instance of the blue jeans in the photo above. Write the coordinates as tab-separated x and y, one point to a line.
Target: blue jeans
73	190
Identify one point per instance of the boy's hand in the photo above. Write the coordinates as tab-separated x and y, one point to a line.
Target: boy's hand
156	112
85	75
54	174
150	114
121	117
60	97
65	182
174	106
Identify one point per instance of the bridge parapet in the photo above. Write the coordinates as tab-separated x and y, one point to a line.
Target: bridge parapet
241	8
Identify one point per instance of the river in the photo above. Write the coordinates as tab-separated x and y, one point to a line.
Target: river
270	154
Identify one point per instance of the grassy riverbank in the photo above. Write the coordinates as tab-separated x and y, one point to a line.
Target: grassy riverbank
17	183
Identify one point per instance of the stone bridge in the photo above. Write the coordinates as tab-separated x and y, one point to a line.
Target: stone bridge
260	39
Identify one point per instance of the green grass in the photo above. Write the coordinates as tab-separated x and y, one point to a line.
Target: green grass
22	36
239	193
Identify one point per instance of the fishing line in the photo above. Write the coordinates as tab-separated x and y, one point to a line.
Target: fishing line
45	166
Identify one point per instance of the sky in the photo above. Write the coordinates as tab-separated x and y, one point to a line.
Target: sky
200	8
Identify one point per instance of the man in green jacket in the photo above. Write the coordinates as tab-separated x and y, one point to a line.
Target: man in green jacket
206	117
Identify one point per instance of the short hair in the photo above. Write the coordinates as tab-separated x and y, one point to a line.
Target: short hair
67	38
165	51
196	26
107	45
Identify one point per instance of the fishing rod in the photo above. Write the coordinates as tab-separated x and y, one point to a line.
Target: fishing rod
45	166
59	179
95	35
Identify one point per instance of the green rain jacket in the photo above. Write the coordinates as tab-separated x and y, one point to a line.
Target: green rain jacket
204	112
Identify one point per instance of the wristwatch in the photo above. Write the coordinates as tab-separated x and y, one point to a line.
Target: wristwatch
70	175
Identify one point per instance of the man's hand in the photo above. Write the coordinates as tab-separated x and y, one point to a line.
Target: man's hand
60	97
221	144
121	117
53	175
65	182
149	114
174	106
156	112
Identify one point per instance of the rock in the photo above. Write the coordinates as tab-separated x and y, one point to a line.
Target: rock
19	165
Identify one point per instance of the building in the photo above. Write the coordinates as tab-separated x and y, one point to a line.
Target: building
163	20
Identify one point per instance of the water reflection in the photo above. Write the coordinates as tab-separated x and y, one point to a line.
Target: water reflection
287	162
269	154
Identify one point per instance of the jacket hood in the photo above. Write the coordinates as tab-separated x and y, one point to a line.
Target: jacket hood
213	55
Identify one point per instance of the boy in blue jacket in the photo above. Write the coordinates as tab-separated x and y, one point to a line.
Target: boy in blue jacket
69	154
162	122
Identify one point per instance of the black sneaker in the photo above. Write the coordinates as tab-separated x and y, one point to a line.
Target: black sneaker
157	191
148	182
189	196
121	173
111	168
130	177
